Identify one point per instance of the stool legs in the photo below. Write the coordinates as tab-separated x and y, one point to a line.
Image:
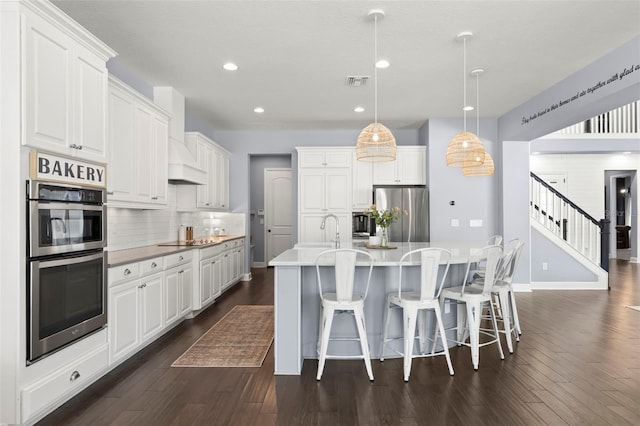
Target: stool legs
325	328
443	338
364	344
409	320
327	320
506	317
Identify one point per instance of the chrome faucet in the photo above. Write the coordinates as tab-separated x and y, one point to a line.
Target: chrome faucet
324	219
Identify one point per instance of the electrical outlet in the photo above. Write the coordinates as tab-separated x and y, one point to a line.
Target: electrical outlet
455	223
545	266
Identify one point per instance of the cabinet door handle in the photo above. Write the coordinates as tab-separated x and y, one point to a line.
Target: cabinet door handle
127	272
154	198
180	258
73	146
74	376
153	265
109	192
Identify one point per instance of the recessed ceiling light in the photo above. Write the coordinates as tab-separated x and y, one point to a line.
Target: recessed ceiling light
230	66
382	63
358	109
258	110
468	108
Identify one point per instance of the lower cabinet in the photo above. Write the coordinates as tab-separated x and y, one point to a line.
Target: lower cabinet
178	282
219	268
145	299
135	314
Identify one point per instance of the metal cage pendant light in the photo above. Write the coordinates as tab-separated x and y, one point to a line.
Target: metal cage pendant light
464	143
471	167
376	143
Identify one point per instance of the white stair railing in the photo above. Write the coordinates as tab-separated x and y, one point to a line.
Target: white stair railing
623	120
568	221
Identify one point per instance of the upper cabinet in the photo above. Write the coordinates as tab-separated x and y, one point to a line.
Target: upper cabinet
64	78
324	157
138	145
214	160
409	168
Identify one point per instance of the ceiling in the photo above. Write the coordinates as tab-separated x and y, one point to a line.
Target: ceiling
294	56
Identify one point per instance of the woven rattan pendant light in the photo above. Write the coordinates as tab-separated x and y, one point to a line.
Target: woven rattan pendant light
471	166
376	142
464	142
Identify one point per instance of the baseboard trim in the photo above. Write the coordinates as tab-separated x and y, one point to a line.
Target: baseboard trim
634	260
246	277
521	287
565	285
259	265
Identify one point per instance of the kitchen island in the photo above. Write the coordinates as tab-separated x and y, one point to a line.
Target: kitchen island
297	300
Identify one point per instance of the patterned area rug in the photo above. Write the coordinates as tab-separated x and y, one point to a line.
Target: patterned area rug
240	339
637	308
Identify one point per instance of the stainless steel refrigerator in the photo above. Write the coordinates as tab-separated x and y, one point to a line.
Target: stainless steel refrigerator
415	200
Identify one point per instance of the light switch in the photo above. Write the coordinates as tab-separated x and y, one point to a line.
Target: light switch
475	223
455	223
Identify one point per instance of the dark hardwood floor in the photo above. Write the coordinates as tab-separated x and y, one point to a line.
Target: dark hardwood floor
578	362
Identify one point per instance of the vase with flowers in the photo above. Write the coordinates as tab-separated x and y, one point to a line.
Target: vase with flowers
384	219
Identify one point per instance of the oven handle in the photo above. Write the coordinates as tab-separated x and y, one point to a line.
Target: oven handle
45	205
70	260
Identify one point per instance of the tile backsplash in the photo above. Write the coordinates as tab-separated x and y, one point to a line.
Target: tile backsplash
129	228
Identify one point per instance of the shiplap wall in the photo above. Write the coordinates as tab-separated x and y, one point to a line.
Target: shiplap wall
129	228
585	175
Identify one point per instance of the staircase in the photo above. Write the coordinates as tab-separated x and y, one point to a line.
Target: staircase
565	220
620	121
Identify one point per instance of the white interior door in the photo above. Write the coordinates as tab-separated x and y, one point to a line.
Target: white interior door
277	212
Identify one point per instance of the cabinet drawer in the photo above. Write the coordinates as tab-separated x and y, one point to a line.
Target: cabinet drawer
177	259
208	252
151	265
63	382
123	272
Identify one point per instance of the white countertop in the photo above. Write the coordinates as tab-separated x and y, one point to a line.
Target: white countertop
305	254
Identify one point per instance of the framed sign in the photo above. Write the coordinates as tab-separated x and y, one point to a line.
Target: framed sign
53	167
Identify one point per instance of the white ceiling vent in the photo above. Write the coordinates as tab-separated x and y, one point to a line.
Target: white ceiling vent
357	80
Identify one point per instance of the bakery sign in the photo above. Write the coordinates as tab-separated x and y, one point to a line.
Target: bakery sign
58	168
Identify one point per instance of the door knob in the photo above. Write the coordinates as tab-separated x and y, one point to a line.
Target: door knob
268	230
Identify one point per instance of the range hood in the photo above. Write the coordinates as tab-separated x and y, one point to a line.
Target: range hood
183	167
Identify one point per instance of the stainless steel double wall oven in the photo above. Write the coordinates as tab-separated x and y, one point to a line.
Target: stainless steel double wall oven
66	265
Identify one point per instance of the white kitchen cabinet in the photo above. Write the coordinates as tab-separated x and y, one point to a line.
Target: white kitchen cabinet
178	283
221	182
206	282
135	315
185	288
122	154
151	307
65	85
138	149
214	160
362	179
325	190
409	168
310	231
124	320
324	157
324	187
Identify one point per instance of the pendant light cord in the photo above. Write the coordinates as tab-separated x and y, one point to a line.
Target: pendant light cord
464	81
375	68
478	104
